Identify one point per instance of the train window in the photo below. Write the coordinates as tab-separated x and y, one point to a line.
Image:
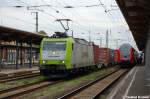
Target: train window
125	52
54	50
54	46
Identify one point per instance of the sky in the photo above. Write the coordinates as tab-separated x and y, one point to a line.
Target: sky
89	19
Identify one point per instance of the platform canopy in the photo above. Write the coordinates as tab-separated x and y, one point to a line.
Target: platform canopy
9	34
137	15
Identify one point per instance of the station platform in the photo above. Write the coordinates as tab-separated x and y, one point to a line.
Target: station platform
132	86
12	71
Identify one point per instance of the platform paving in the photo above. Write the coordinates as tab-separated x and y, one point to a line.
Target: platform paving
132	86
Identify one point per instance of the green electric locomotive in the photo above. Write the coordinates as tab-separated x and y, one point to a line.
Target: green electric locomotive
62	56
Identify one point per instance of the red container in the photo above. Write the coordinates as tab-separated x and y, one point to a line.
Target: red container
96	53
116	56
104	56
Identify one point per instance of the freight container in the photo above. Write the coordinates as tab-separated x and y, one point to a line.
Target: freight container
82	54
111	57
106	56
96	52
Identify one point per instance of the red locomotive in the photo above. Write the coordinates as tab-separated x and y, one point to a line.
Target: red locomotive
128	55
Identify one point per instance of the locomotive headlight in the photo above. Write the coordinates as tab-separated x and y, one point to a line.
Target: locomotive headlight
43	62
63	61
54	52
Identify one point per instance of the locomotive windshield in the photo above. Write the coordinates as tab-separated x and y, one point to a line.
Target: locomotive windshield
125	52
54	50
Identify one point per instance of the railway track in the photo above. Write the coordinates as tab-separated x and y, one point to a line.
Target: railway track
20	90
18	76
94	88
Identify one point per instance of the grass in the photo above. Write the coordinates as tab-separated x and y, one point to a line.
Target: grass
63	86
21	82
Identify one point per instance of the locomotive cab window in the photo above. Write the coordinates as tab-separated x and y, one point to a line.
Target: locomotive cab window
61	46
125	52
54	50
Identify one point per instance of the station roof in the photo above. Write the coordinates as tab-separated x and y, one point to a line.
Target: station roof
136	13
9	34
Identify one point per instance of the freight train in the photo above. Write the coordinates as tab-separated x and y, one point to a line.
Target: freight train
60	57
128	55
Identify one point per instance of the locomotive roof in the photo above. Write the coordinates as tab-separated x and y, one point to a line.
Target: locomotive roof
125	45
128	46
78	40
82	41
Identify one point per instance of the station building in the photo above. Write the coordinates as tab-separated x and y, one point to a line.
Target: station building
18	48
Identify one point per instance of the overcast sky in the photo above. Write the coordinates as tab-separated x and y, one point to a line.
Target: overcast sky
94	16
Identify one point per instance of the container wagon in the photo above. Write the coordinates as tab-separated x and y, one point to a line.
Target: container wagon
96	53
106	56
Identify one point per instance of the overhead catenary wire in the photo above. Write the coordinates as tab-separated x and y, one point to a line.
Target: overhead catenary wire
60	3
38	6
76	11
23	2
75	21
71	6
112	17
27	5
46	12
108	13
73	14
50	6
56	10
25	21
106	10
43	11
